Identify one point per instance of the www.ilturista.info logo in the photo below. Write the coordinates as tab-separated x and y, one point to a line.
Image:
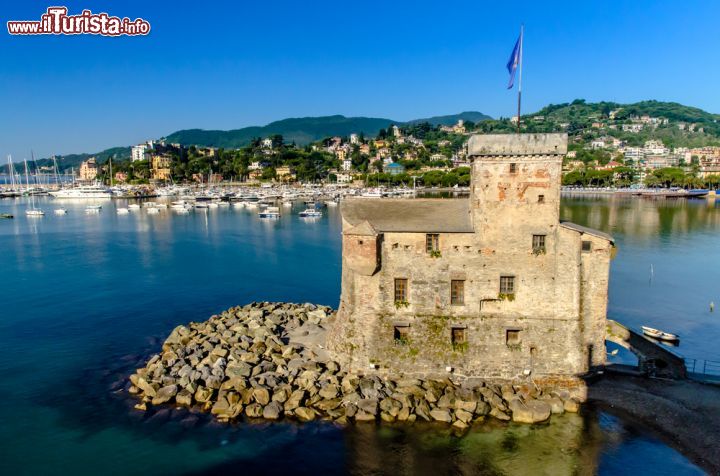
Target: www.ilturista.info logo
57	22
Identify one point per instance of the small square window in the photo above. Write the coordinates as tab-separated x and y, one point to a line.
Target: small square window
457	292
513	168
586	246
432	242
458	336
512	337
507	284
541	198
401	287
538	243
401	334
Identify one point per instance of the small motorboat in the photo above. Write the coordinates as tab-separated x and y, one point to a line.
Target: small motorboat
6	215
133	206
34	212
269	212
60	211
153	211
310	213
660	335
122	211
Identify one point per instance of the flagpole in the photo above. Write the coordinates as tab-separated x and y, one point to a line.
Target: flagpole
522	27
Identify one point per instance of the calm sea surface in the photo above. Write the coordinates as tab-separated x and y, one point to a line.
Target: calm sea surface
85	298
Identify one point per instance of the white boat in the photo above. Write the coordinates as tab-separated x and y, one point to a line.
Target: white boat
122	211
287	203
180	205
238	204
149	205
372	194
133	206
87	191
60	211
660	335
182	211
32	211
153	211
161	206
310	213
269	212
251	205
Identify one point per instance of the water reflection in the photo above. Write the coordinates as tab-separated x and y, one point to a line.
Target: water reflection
665	273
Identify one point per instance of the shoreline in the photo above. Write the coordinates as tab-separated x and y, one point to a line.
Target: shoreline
685	412
266	361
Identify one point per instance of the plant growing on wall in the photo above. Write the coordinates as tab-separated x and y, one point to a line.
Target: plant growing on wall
506	296
538	251
400	304
435	254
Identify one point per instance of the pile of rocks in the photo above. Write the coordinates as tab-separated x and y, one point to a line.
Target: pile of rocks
266	360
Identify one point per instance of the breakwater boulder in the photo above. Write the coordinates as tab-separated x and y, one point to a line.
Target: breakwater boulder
267	360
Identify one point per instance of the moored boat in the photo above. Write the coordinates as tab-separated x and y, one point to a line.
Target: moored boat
310	213
660	335
269	212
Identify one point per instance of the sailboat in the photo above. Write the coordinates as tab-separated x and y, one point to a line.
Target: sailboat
31	212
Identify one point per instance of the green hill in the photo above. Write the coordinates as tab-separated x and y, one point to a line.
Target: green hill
581	110
472	116
304	130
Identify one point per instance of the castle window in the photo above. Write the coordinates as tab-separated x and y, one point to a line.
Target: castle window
457	292
401	334
541	198
458	337
587	246
507	284
401	288
432	242
512	337
513	168
538	244
360	242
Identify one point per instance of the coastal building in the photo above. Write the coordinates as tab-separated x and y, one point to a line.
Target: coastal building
160	167
89	169
354	139
394	168
346	164
140	152
493	286
285	174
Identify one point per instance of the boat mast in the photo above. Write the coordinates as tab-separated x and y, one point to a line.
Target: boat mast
57	174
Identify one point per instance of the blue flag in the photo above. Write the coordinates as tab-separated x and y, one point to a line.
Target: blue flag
514	61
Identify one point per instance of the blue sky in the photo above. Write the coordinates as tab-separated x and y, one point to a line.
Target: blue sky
225	65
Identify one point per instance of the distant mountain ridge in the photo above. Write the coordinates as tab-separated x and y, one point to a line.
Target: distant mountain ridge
304	130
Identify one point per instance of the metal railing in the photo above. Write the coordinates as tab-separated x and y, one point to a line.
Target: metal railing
703	366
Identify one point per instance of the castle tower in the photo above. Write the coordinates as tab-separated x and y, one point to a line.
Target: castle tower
515	186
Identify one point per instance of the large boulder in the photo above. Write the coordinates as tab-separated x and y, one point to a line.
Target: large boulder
529	411
441	414
272	411
165	394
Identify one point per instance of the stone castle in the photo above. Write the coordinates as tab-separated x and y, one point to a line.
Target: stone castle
493	286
